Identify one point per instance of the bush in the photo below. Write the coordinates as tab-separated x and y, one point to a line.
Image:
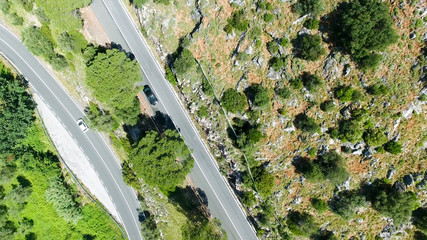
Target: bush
377	89
311	23
391	202
72	41
420	218
5	6
301	224
129	176
264	181
361	35
237	21
184	62
170	76
393	147
311	82
37	42
327	106
138	3
284	42
374	137
306	124
203	112
283	92
346	202
344	93
313	7
58	62
296	83
233	101
319	205
268	17
258	95
16	20
277	63
310	47
247	134
248	199
272	47
100	119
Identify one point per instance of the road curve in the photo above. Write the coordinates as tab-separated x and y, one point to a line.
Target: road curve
223	204
67	111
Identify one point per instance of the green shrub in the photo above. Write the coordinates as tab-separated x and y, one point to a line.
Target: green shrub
237	21
311	23
138	3
393	147
423	97
284	42
203	112
247	134
170	76
344	93
296	83
346	203
283	92
58	62
319	205
374	137
306	124
420	218
360	36
377	89
313	7
248	199
310	47
129	176
268	17
264	180
301	224
184	62
233	101
258	95
37	42
5	6
72	41
272	47
277	63
327	106
16	20
100	119
311	82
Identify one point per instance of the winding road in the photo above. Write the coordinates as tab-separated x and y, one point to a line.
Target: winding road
222	202
67	112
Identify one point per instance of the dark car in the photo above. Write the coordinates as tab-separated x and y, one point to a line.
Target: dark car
150	95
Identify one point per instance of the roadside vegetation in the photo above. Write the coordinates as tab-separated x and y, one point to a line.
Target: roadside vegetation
320	99
39	199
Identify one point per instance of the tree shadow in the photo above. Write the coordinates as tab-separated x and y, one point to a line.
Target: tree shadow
189	204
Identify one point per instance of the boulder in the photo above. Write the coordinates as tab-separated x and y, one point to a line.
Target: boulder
399	186
408	179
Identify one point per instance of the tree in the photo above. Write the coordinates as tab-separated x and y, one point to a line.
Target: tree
162	161
247	134
344	93
313	7
5	6
301	224
377	89
184	62
248	198
264	181
420	218
237	21
327	106
16	113
306	124
310	47
311	82
258	95
72	41
61	198
100	119
374	137
233	101
37	42
346	202
277	63
7	231
361	27
391	202
170	76
129	176
111	77
331	165
393	147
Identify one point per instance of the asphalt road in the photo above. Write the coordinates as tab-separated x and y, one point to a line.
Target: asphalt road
67	112
120	29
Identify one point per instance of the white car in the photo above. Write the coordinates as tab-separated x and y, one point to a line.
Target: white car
82	125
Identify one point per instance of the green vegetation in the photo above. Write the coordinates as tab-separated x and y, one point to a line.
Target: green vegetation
346	202
377	89
301	224
311	82
264	181
327	166
138	3
277	63
100	119
283	92
313	7
393	147
184	62
362	27
233	101
170	76
72	41
306	124
319	205
328	106
111	77
346	94
375	137
310	47
352	130
258	95
247	134
391	202
420	218
162	161
311	23
237	21
35	203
